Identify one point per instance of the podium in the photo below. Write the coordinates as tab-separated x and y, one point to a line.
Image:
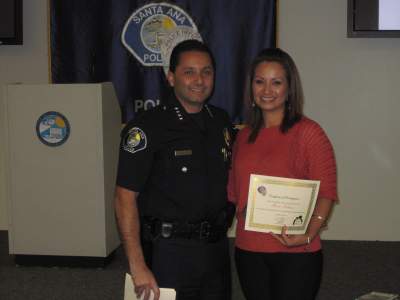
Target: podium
61	153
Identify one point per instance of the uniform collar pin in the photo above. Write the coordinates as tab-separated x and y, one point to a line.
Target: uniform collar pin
209	111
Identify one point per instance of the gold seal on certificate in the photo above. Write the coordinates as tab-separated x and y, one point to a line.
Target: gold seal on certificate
277	201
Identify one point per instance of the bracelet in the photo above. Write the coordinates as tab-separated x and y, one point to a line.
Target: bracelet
319	217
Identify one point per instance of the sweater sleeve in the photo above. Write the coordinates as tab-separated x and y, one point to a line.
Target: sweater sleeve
321	160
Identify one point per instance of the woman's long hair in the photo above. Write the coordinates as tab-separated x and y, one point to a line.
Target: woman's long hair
294	102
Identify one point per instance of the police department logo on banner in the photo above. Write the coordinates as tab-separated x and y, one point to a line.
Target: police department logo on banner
148	32
52	128
177	35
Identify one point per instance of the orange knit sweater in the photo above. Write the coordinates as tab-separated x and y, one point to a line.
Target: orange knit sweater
304	152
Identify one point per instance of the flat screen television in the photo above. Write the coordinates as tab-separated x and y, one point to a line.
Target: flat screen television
373	18
11	22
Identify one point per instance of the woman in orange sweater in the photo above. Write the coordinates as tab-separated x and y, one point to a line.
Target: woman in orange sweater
280	141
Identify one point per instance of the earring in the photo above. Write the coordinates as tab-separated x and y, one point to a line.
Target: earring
253	104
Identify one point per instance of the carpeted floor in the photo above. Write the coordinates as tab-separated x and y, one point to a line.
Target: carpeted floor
351	269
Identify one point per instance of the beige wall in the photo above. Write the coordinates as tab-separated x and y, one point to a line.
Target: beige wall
27	63
351	89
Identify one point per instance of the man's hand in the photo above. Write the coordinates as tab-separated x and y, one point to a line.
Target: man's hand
144	282
129	227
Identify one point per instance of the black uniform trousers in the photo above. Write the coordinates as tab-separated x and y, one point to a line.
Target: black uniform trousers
279	276
197	270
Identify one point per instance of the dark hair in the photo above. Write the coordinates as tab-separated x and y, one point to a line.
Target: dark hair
294	103
186	46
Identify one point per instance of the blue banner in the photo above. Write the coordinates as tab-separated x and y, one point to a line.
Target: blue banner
124	41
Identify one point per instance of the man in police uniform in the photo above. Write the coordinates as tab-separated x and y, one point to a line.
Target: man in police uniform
171	201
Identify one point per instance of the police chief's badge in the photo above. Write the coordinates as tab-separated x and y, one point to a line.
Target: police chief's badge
227	137
226	151
134	140
152	25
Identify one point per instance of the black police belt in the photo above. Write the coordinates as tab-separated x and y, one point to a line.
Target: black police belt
153	228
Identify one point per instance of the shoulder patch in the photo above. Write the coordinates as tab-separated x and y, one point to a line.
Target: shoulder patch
134	140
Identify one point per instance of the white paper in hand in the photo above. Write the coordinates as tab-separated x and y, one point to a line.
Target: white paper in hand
129	293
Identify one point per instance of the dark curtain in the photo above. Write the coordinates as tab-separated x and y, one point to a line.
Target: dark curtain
86	47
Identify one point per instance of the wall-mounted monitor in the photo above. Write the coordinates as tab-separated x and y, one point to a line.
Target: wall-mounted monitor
11	22
373	18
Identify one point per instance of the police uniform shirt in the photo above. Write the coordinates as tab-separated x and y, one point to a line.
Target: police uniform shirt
179	167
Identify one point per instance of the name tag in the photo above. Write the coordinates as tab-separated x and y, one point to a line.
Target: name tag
183	152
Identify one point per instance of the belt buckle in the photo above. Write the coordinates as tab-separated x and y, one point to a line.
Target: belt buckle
205	230
166	230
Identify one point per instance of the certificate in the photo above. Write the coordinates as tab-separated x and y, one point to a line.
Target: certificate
277	201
